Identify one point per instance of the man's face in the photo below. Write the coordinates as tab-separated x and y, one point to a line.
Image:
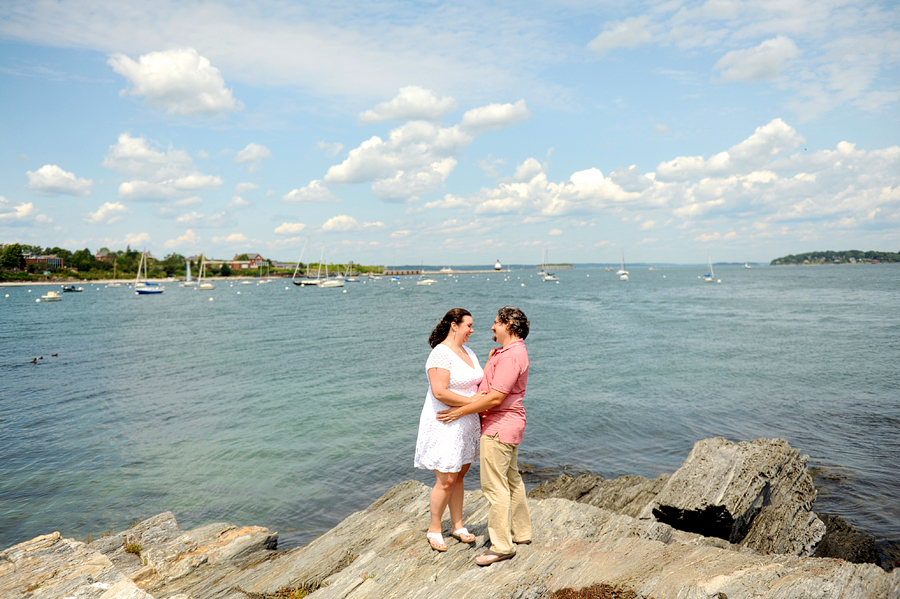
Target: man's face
501	331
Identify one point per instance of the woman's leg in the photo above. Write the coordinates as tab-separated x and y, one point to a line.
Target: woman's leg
456	499
440	497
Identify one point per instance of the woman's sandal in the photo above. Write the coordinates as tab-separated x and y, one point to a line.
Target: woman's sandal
436	541
463	536
489	557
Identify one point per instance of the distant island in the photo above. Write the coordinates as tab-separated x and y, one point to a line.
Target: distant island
844	257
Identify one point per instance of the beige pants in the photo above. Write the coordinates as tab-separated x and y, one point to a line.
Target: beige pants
501	483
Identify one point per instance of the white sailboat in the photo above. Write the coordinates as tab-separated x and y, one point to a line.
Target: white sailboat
200	283
709	277
305	281
541	273
546	276
623	274
188	281
326	282
144	287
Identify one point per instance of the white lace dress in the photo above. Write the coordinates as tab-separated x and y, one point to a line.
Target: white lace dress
441	446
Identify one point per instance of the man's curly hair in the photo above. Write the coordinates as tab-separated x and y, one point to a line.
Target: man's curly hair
516	321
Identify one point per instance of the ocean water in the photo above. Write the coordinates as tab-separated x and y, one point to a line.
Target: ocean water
291	408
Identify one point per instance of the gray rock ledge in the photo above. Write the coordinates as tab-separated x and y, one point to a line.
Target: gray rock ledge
381	552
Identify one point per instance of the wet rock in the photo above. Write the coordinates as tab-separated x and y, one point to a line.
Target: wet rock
843	541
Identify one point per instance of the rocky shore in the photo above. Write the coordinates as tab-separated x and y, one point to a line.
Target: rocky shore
735	521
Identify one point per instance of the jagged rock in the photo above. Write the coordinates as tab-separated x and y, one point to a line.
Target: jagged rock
627	495
381	552
843	541
758	494
51	567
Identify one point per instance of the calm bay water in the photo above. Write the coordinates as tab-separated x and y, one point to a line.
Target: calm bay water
292	408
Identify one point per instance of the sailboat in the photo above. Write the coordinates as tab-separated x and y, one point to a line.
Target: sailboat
143	287
306	281
326	282
541	273
709	277
114	283
200	283
547	276
188	281
623	274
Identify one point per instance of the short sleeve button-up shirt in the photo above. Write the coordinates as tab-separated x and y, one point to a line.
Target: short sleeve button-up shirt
506	372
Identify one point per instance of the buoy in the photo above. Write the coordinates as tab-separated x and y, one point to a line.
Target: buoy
345	291
7	295
29	291
239	292
38	300
286	288
210	299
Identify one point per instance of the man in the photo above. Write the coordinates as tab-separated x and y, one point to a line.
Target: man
502	428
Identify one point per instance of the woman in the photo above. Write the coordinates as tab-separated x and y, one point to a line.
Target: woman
449	448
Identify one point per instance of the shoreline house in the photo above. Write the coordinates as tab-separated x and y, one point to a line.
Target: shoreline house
50	260
254	261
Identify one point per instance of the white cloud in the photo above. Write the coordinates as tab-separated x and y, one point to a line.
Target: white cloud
108	213
10	212
555	232
289	228
235	238
493	116
197	219
766	142
238	202
342	222
314	192
622	34
137	239
332	149
179	81
242	188
253	155
412	103
189	240
763	62
155	175
418	156
528	170
52	180
400	234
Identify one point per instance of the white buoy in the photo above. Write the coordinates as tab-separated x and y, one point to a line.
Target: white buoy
286	288
239	292
210	299
523	284
345	291
7	295
38	300
29	291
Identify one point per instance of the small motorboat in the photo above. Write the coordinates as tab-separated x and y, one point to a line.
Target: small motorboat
71	288
52	296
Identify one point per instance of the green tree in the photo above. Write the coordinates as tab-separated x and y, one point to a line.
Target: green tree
225	271
12	257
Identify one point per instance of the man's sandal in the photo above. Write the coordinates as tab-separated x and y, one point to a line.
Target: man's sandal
463	536
436	541
489	557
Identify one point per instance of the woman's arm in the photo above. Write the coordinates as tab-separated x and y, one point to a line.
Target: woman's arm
479	403
439	379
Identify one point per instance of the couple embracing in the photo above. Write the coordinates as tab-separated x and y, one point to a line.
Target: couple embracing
469	410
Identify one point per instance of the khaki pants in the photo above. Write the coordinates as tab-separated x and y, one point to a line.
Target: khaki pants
501	483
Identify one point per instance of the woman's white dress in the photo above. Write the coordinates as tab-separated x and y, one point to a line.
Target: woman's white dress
441	446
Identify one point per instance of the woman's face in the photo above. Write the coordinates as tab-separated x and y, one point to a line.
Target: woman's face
464	329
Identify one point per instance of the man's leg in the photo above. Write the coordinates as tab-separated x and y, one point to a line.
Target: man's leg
520	525
495	458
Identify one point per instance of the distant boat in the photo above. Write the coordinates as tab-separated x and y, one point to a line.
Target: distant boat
200	283
426	281
115	283
71	288
326	282
546	276
144	287
52	296
306	281
447	269
188	281
747	265
709	277
623	274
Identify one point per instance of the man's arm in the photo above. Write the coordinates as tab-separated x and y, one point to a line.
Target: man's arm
486	401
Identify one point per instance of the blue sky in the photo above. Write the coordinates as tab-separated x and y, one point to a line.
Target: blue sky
452	133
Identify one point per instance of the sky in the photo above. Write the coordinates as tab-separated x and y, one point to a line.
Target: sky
453	133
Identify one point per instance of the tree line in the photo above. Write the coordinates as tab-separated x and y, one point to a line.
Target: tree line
838	257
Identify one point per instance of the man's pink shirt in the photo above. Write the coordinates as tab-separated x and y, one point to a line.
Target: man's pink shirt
506	372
